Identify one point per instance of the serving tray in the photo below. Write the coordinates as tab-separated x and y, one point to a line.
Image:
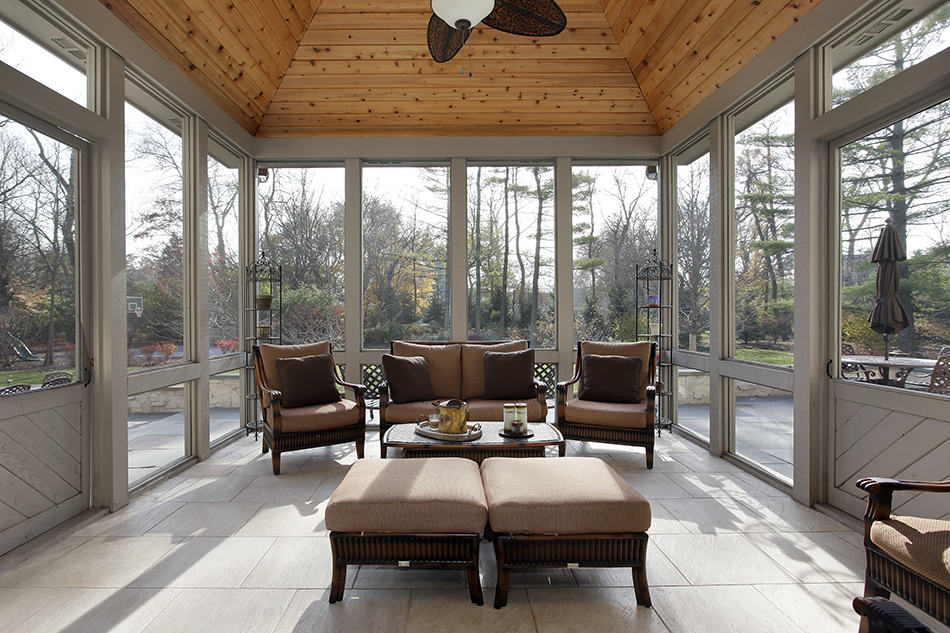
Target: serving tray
474	432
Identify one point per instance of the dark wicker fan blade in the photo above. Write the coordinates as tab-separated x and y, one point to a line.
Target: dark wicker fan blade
444	41
527	17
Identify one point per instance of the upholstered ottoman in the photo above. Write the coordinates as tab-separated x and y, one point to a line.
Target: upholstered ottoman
408	513
565	512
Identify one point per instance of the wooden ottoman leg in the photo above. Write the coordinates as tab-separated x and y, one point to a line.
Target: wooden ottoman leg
650	457
504	576
264	446
338	582
640	586
360	448
474	583
275	461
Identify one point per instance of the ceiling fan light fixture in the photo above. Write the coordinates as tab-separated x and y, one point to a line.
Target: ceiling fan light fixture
462	14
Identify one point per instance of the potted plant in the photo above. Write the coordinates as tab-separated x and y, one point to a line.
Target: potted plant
264	297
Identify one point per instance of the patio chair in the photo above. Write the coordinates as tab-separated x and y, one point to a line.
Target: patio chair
851	371
615	420
906	555
940	376
298	387
56	378
14	389
884	616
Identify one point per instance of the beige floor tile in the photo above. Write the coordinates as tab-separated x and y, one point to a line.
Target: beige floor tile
720	610
290	488
441	610
205	469
384	577
662	521
296	563
206	562
703	462
714	559
206	519
97	611
18	605
377	610
101	562
221	489
817	607
303	518
488	571
133	520
715	485
581	610
718	515
787	515
654	485
660	572
813	556
262	466
34	555
852	538
222	611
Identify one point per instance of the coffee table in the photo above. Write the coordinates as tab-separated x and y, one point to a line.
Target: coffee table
490	444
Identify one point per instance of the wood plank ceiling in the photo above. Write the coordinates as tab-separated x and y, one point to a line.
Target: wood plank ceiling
362	68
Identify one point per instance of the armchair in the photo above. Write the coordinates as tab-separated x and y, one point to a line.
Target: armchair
908	556
294	428
631	424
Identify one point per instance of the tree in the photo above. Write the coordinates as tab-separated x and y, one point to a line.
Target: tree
692	187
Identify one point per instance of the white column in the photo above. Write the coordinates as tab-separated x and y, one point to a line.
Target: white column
564	266
458	249
352	268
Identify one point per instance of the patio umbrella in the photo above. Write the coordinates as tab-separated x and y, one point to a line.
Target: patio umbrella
888	316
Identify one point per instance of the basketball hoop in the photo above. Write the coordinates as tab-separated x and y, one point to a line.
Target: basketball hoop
138	312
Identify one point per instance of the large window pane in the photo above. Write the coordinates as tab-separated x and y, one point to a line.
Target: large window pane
919	41
405	254
764	422
38	177
224	279
59	63
764	235
692	401
614	221
899	173
154	240
300	227
225	393
156	431
511	292
692	232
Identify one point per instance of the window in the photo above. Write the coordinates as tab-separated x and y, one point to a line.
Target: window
154	239
692	235
764	238
615	225
692	401
225	392
764	426
300	225
58	61
156	430
898	173
224	274
38	258
405	254
908	46
511	273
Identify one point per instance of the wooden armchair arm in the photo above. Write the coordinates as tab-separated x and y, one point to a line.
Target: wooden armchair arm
562	387
651	397
542	387
273	398
383	394
881	493
358	390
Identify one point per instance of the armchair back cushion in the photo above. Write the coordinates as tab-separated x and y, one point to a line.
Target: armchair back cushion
640	349
473	364
409	378
445	365
509	375
610	378
307	380
270	354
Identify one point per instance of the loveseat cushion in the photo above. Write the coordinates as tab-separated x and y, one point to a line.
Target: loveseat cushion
307	380
480	409
509	375
437	495
408	377
607	378
617	414
473	364
445	365
921	544
319	417
566	495
408	411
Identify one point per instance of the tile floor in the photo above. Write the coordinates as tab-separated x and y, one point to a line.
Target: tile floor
226	546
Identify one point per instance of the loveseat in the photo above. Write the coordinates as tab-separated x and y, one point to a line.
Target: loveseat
457	370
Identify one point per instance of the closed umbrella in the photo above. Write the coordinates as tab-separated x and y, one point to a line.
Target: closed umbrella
888	316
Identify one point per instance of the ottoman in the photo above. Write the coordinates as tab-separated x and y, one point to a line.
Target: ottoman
565	512
408	513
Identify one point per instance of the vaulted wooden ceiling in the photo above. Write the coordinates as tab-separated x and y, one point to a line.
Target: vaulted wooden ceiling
362	68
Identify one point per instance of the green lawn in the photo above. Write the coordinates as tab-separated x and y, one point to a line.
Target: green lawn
771	356
26	376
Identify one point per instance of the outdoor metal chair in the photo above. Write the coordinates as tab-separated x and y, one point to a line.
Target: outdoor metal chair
56	378
14	389
940	376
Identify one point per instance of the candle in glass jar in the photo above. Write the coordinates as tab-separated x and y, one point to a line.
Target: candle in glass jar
509	415
522	416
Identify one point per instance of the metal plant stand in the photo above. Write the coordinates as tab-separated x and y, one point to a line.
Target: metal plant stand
262	324
654	322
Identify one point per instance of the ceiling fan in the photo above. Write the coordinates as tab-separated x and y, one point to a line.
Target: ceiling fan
452	21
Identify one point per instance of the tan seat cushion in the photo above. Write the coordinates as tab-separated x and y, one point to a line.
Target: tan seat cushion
618	414
493	410
473	365
445	365
408	411
436	495
567	495
640	349
319	417
270	354
921	544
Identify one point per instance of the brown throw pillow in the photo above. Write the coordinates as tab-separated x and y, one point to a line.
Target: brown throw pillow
307	380
509	375
610	378
408	377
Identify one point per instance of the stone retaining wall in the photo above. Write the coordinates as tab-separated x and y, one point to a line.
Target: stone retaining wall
225	393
